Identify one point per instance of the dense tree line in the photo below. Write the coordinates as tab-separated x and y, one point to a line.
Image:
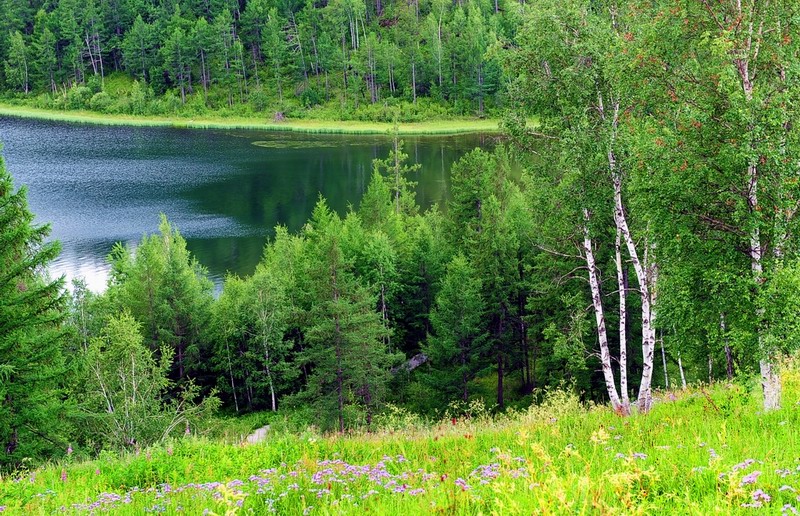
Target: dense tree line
654	218
257	55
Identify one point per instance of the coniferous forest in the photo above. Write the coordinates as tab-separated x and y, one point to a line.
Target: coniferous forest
603	316
341	59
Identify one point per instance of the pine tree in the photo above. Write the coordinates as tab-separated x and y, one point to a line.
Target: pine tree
31	316
350	359
459	337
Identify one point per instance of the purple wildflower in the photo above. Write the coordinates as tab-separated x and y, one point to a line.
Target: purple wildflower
751	478
63	475
69	449
743	465
761	496
460	482
788	508
638	455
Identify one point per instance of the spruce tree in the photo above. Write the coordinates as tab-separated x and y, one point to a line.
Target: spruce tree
31	333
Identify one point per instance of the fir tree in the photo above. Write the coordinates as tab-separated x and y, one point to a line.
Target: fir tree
31	333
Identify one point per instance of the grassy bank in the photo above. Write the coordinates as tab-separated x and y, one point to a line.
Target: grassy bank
701	451
304	126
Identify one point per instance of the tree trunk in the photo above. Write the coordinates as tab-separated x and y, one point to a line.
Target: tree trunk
664	360
728	355
414	81
622	285
500	375
230	372
597	303
680	368
648	333
620	220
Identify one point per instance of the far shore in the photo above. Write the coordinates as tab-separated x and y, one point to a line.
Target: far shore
294	125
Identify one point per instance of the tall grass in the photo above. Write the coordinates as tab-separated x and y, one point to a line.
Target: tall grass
437	127
700	451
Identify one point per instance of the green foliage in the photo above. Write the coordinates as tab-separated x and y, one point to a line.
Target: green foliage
167	291
457	346
345	335
339	60
558	454
125	396
32	311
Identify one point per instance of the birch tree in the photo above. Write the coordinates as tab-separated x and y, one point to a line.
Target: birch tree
566	74
721	149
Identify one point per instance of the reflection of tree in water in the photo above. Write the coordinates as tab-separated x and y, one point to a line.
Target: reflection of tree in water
282	186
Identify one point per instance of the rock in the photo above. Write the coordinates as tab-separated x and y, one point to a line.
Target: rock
258	436
412	363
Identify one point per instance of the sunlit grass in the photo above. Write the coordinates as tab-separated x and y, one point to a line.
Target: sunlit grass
701	451
262	124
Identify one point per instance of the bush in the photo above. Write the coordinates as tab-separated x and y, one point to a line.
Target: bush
78	97
101	102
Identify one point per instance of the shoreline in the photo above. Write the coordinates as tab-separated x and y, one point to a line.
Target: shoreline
437	127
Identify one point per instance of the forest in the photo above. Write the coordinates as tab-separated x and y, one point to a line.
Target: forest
640	236
341	60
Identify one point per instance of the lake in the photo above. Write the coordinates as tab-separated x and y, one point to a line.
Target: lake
225	190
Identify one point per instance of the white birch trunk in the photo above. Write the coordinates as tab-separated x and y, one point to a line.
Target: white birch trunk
664	361
597	303
620	220
623	321
770	381
648	332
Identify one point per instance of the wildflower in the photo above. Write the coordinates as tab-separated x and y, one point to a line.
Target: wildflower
743	465
2	508
599	436
786	488
63	475
783	473
619	456
637	455
713	453
460	482
788	508
761	496
97	471
69	449
751	478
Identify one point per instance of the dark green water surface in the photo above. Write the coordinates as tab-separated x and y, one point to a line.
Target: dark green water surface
224	190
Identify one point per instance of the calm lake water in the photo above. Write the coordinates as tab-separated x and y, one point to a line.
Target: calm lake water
224	190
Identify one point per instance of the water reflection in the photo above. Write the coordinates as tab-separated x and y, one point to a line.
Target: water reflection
224	190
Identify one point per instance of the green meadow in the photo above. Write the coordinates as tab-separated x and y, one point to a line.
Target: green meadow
262	124
702	450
